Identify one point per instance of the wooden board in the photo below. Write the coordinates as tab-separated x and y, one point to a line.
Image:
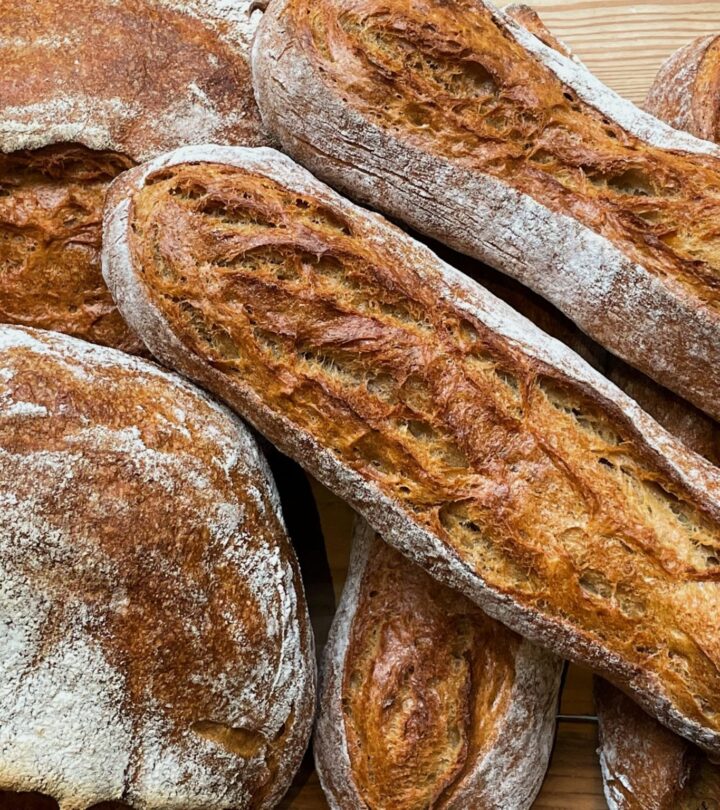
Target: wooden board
624	44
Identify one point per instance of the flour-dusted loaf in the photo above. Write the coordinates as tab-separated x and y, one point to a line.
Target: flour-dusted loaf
426	702
154	641
456	120
645	766
685	92
474	443
87	88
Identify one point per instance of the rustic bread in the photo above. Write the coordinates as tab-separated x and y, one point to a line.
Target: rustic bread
645	766
686	88
454	119
87	88
425	702
154	641
474	443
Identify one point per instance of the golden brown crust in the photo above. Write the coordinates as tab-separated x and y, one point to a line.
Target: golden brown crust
51	203
694	428
455	120
88	88
426	702
155	644
686	89
499	111
299	307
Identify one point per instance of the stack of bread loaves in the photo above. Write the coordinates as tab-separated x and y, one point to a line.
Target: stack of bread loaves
527	488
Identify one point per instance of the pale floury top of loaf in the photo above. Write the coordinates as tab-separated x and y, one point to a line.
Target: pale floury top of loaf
155	644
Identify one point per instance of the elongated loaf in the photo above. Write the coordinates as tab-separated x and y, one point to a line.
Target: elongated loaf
645	766
685	90
87	88
426	702
456	120
154	641
474	443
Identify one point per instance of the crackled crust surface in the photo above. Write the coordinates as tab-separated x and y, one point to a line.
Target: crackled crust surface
154	640
427	702
686	88
646	767
51	203
138	77
88	88
454	119
473	442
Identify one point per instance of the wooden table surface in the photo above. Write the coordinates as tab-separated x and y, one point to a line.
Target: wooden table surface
623	44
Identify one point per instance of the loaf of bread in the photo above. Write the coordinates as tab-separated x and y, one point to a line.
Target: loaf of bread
454	119
645	766
88	87
486	451
686	88
154	641
425	702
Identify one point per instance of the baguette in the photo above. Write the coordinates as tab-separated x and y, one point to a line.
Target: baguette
486	451
425	702
155	647
645	766
455	120
88	88
685	90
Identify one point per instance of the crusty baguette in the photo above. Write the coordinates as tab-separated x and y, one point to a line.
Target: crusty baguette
87	88
686	90
474	443
453	118
645	766
426	702
155	646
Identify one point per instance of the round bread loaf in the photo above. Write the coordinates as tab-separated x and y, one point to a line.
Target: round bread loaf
685	90
87	89
154	640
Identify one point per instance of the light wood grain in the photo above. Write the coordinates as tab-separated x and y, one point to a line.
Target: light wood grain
623	44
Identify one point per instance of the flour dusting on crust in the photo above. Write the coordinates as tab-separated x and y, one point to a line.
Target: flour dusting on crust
155	644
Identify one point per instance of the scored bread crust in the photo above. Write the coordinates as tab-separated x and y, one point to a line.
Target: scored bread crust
651	319
155	646
685	90
504	767
384	510
87	89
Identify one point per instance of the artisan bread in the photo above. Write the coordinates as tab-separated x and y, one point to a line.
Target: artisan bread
426	702
454	119
685	90
645	766
87	88
486	451
154	641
